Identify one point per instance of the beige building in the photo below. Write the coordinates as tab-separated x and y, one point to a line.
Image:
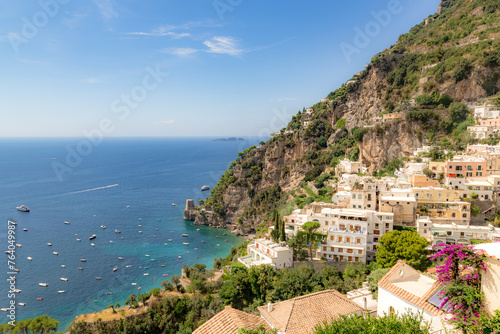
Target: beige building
395	115
402	203
263	251
421	180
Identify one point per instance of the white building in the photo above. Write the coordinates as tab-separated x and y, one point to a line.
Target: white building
403	290
354	234
348	166
483	188
481	131
490	281
340	196
485	111
263	251
452	234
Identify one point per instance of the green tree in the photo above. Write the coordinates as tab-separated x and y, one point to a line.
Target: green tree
402	245
310	228
373	279
43	324
407	323
297	243
259	330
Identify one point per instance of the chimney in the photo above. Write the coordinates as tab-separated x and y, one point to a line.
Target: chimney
365	303
269	307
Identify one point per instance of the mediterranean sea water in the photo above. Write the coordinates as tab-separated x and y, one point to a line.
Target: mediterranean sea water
123	184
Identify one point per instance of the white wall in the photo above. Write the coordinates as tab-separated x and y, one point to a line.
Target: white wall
401	306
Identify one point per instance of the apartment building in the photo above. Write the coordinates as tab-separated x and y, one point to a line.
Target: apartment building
263	251
442	205
402	203
354	235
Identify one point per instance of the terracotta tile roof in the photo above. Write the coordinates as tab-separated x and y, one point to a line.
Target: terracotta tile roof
420	302
228	321
301	314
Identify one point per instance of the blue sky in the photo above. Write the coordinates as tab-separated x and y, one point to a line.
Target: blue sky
182	68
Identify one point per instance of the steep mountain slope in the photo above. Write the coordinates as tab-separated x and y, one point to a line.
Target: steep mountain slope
454	55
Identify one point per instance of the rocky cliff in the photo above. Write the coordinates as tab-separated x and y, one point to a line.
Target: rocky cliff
454	54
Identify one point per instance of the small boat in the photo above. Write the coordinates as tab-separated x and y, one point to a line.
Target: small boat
146	274
67	223
80	268
186	243
165	274
202	241
169	240
23	208
218	245
19	245
103	227
162	265
43	284
25	229
29	258
138	288
17	270
63	265
217	236
61	291
224	233
115	268
110	241
83	260
39	298
120	258
139	225
116	231
197	229
128	206
133	283
205	187
98	278
109	293
129	266
165	244
180	257
3	309
225	240
49	244
55	253
21	304
64	279
196	249
140	218
93	236
185	235
147	255
140	231
12	223
173	204
17	290
93	245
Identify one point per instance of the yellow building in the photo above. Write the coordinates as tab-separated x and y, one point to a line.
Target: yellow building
442	205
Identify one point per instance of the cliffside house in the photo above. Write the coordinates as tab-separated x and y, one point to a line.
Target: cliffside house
354	234
301	314
404	289
229	320
263	251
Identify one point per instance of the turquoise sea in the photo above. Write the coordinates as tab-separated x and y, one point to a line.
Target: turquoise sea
120	184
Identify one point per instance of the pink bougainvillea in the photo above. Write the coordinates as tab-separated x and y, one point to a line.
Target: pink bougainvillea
461	275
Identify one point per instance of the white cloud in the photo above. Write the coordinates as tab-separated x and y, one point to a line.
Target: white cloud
160	34
179	51
165	122
192	24
283	99
106	9
92	80
223	45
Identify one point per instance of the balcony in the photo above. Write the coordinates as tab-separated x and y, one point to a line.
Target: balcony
338	230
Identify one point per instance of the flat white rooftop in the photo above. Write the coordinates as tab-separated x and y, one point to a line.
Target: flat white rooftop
493	249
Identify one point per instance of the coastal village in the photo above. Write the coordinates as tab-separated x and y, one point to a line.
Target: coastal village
445	202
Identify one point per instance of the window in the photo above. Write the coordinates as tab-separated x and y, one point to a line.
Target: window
462	234
349	250
350	259
355	259
375	239
347	239
469	167
360	196
331	238
339	239
479	173
464	215
332	249
360	251
479	167
453	215
369	197
458	167
448	232
358	241
353	196
377	232
341	251
324	249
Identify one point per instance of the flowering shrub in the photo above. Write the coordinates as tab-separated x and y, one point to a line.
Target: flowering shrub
462	295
